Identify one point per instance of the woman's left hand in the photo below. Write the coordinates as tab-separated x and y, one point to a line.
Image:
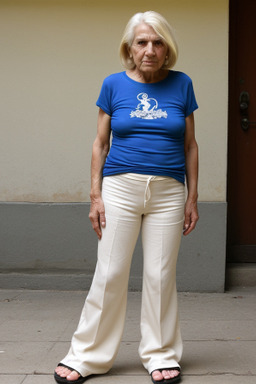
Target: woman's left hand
191	156
191	216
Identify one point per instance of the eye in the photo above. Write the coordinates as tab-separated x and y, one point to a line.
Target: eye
159	43
141	42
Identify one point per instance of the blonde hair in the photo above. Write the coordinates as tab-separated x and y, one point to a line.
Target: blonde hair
160	26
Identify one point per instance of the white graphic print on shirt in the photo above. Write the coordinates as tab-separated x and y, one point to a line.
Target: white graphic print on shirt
147	108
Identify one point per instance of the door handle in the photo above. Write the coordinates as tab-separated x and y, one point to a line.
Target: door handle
244	101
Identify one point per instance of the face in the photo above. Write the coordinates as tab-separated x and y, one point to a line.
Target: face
148	50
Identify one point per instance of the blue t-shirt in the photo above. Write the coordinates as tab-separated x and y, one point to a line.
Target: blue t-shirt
147	123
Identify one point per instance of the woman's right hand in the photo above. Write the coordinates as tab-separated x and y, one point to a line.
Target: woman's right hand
97	215
99	153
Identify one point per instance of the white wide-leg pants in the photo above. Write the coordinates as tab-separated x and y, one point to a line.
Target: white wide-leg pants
154	205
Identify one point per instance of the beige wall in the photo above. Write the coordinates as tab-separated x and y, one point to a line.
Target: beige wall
54	56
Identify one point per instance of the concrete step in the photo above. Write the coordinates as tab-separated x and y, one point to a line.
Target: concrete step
241	275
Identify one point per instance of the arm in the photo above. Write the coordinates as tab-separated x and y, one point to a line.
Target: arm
99	153
191	160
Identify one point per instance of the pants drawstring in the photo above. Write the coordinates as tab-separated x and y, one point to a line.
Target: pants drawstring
147	194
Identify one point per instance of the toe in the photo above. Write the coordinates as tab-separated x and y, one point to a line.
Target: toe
170	373
73	376
67	373
157	375
62	371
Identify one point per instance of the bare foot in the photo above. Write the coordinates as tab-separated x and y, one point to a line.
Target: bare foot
165	374
67	373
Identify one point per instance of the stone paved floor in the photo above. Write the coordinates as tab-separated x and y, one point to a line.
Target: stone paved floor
219	333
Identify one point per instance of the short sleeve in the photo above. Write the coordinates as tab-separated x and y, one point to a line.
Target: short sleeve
104	100
191	104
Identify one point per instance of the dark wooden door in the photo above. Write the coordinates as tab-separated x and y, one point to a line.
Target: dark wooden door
241	241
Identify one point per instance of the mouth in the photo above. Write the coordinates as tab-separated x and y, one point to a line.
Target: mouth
149	62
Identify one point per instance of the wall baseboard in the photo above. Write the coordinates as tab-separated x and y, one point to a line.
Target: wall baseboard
52	246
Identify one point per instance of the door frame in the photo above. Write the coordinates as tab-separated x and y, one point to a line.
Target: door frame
233	254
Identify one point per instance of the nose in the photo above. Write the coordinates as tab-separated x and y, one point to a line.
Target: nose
150	49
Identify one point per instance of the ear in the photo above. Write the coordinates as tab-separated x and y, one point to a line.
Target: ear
167	56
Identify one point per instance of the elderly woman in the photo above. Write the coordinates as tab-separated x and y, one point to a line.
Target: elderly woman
138	185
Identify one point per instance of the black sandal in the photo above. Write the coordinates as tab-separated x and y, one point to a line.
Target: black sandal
173	380
64	380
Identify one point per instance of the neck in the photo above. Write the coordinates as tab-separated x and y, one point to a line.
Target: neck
147	77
